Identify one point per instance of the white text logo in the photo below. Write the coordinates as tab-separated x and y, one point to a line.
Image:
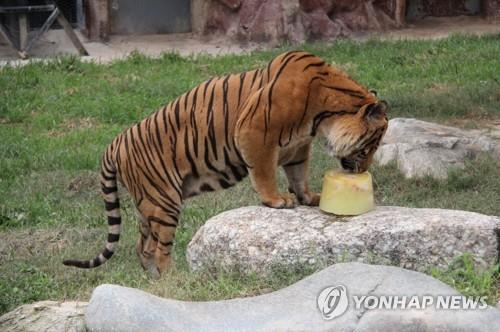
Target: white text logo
332	301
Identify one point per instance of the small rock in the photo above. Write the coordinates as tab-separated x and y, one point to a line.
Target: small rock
407	237
422	148
50	316
295	308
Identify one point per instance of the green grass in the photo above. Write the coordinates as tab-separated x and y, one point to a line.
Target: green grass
56	119
462	275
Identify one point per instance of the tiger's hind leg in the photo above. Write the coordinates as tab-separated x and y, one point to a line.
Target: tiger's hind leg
157	236
145	246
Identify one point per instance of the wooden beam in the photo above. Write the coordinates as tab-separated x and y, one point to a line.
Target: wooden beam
5	35
23	30
26	9
71	34
26	43
23	53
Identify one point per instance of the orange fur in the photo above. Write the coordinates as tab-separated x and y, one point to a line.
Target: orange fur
215	134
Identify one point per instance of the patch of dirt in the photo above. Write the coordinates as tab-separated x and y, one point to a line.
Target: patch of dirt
89	182
439	87
80	123
85	181
486	125
441	27
75	123
26	243
70	183
493	128
485	122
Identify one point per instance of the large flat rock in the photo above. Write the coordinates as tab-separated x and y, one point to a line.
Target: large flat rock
421	148
257	238
49	316
295	308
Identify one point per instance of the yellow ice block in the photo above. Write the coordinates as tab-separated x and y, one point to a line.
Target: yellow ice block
347	193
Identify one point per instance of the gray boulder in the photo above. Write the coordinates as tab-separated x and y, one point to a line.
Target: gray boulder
422	148
257	238
49	316
295	308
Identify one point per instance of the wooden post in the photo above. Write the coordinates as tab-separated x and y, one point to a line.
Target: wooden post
23	31
97	20
23	52
23	27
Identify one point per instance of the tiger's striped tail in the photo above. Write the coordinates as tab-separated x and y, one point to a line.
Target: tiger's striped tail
112	204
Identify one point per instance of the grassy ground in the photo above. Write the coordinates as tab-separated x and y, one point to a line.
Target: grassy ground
56	119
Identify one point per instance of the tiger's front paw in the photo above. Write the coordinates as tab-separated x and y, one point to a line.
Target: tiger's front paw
309	198
283	201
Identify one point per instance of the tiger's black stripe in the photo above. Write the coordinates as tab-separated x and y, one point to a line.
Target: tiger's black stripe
317	64
113	237
267	119
111	205
295	163
109	190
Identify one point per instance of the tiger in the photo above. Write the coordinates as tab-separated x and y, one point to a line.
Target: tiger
226	128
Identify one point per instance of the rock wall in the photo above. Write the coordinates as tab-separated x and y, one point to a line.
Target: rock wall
299	20
293	20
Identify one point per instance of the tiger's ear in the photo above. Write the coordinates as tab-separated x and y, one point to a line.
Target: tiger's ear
376	111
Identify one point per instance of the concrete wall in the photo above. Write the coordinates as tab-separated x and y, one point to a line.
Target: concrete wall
421	8
105	17
149	17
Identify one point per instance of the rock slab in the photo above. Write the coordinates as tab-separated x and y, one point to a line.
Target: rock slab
289	20
295	308
49	316
257	238
421	148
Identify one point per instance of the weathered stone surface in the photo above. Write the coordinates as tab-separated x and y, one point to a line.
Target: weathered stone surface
290	20
258	238
422	148
50	316
295	308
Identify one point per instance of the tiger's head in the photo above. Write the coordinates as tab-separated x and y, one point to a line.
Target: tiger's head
351	118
